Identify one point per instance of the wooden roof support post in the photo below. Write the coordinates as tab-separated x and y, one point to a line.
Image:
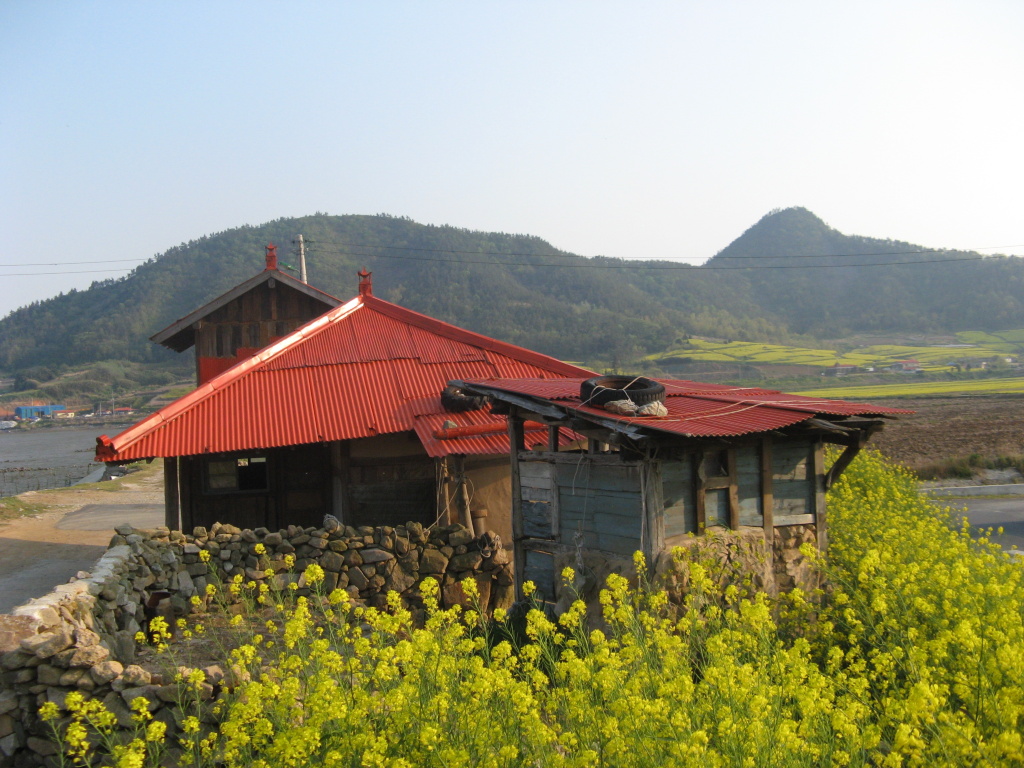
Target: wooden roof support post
517	443
820	516
767	492
734	494
172	507
847	456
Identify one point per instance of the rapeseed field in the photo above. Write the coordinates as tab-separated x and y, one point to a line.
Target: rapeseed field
912	655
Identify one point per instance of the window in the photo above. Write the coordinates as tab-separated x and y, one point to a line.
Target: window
237	474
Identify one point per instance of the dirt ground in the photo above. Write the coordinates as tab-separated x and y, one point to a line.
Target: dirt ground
41	551
952	427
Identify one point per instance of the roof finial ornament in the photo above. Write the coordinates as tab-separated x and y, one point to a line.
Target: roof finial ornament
365	283
271	256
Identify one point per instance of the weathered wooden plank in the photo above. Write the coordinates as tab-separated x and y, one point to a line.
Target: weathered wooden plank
619	545
515	438
748	485
617	525
589	497
792	497
680	513
790	460
733	492
654	517
537	520
716	507
537	474
539	567
537	494
783	520
820	516
767	489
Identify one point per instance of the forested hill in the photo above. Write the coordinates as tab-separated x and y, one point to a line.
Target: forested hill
521	289
820	282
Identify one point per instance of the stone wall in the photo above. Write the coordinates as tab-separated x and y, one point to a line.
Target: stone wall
81	636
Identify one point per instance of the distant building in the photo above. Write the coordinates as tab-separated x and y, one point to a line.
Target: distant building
840	370
904	366
37	411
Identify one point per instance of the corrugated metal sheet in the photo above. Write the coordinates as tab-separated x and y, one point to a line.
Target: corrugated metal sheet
362	369
700	410
497	443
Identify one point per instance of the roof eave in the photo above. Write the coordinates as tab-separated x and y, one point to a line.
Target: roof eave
180	334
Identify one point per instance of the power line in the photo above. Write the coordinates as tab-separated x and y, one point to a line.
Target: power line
648	258
78	272
64	263
589	264
660	266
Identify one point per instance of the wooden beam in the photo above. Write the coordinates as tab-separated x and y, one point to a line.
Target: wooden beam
820	516
172	509
516	442
848	455
767	492
734	493
698	491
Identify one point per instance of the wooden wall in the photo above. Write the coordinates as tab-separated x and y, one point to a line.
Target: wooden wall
297	492
251	322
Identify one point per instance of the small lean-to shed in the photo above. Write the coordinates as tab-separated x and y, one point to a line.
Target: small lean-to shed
750	462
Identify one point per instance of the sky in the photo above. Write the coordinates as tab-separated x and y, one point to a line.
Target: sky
638	130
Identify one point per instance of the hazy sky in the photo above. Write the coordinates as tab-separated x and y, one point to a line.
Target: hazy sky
637	129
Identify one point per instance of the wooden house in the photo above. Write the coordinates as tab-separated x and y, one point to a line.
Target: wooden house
239	323
743	462
344	415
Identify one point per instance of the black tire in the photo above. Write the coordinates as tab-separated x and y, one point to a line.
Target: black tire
454	400
605	389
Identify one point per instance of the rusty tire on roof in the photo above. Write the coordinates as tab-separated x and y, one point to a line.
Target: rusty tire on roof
605	389
456	400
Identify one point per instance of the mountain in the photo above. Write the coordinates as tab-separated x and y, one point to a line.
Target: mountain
817	281
513	287
521	289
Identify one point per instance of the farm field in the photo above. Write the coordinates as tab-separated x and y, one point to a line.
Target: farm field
931	358
1009	385
943	428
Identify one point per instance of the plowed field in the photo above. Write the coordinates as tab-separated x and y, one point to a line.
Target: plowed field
952	427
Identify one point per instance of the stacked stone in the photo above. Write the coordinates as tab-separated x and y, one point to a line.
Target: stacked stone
792	569
366	562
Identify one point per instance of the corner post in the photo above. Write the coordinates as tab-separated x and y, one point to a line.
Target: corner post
517	443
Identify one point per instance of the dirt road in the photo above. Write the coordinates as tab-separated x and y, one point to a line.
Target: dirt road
37	553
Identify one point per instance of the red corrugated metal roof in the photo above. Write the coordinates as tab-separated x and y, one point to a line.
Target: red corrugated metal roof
365	368
427	425
700	410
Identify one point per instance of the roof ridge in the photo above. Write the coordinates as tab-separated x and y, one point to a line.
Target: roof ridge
232	374
472	338
168	332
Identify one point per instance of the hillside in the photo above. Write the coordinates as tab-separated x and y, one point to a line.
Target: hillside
524	290
829	285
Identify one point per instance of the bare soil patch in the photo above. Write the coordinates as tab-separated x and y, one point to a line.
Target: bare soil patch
952	427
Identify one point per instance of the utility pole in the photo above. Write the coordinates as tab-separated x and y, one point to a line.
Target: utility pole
302	260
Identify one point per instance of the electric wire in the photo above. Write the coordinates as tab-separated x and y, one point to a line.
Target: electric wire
650	264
